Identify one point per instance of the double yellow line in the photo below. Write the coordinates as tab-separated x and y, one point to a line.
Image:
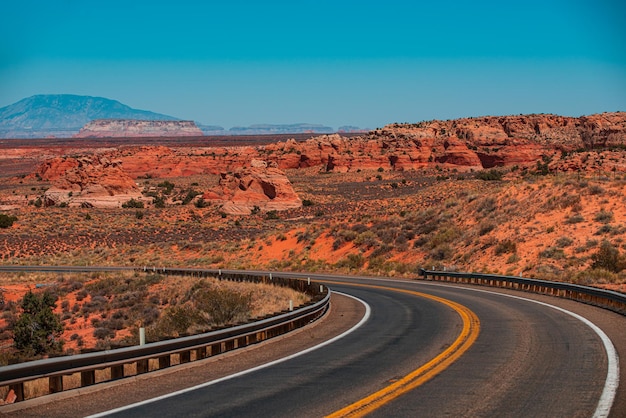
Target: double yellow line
469	333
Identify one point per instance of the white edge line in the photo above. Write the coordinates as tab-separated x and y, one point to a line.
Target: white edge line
612	376
363	320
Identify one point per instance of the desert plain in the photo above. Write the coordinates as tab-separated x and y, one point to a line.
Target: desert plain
542	196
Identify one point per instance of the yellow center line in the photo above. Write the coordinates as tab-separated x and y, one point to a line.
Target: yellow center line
469	333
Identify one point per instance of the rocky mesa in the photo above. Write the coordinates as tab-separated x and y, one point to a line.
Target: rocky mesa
116	128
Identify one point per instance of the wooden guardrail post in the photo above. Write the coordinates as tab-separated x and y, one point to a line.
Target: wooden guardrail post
18	389
88	378
164	362
117	372
143	366
200	353
55	384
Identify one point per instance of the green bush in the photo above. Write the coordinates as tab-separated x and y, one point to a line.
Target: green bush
133	203
491	175
38	330
6	221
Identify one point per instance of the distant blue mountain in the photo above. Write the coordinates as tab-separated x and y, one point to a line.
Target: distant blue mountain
63	115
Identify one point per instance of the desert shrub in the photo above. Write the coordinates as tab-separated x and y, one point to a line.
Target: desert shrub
133	203
351	262
563	242
139	214
168	186
595	276
574	219
441	252
366	239
191	194
38	330
307	202
222	306
102	333
485	227
490	175
596	190
272	214
505	247
486	205
603	216
444	236
608	258
605	229
553	253
6	221
158	202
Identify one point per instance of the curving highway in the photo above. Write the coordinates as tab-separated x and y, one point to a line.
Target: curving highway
527	359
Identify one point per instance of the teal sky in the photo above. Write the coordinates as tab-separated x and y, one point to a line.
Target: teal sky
335	62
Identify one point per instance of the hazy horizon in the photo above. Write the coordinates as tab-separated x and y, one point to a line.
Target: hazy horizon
330	63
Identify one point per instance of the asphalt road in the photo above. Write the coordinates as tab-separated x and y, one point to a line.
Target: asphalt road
528	360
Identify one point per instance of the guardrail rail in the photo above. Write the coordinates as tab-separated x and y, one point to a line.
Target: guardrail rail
607	299
187	349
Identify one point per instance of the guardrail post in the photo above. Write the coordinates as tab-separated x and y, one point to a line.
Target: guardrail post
18	389
55	384
142	366
88	378
164	362
185	357
200	353
117	372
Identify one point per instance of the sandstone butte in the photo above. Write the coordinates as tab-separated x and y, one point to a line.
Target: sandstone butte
462	145
116	128
261	185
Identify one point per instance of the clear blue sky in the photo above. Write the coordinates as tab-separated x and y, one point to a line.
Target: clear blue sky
364	63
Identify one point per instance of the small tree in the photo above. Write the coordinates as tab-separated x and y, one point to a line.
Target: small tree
608	258
38	330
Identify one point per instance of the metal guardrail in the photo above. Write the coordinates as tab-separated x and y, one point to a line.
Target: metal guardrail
201	345
607	299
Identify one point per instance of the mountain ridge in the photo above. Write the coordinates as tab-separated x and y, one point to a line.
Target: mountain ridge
45	115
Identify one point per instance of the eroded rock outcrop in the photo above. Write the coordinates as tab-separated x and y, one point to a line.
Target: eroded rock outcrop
87	181
462	144
262	186
116	128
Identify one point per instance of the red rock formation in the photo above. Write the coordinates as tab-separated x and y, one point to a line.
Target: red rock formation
462	144
260	185
88	181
